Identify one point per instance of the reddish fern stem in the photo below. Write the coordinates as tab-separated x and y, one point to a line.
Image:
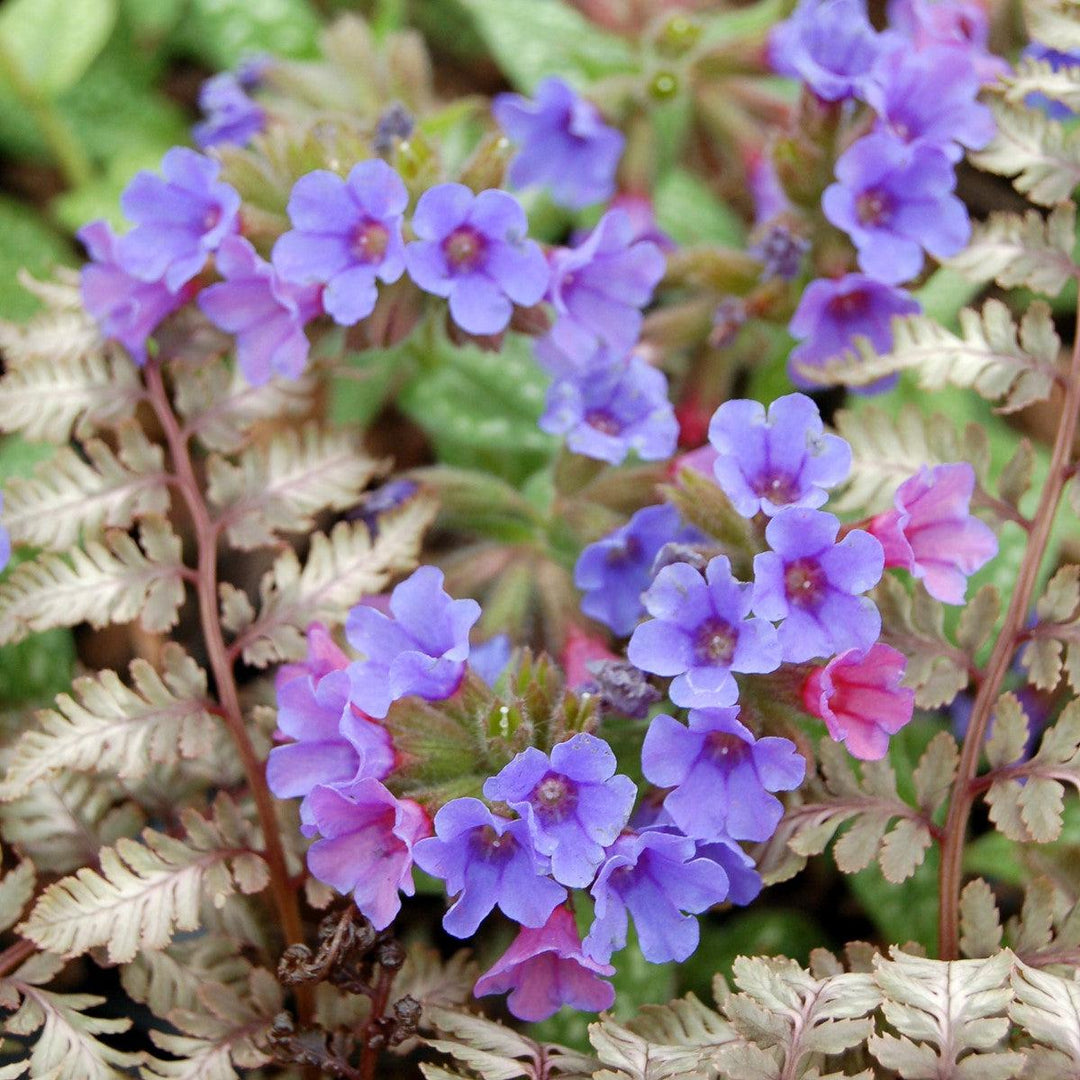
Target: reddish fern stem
966	786
206	538
14	955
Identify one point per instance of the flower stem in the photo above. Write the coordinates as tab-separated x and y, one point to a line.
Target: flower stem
966	786
206	539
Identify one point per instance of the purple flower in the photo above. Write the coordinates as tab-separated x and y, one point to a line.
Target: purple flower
744	881
473	250
893	201
421	650
599	288
770	199
489	658
720	775
961	26
346	233
656	877
932	534
829	44
813	583
780	251
545	969
609	411
929	98
615	571
485	861
396	122
126	308
832	313
565	145
179	220
700	632
1055	110
365	845
232	118
786	459
573	802
266	314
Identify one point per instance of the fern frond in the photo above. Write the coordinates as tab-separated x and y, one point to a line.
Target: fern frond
62	329
69	497
109	727
280	486
1054	645
16	890
113	581
887	449
945	1011
146	891
980	922
1047	1009
340	569
223	1034
990	356
1027	250
1041	157
1054	22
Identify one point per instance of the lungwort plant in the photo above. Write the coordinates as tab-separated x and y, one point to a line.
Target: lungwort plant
477	615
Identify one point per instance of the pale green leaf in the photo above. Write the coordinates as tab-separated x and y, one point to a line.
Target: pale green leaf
1009	732
1047	1009
980	922
16	889
978	619
1016	476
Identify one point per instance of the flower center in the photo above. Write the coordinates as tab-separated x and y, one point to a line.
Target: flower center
804	582
873	208
490	846
629	550
849	306
211	218
553	798
603	421
464	249
716	640
779	488
725	748
370	241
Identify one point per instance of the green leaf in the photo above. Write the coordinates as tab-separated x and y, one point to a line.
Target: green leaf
904	912
28	243
53	42
690	213
224	32
531	39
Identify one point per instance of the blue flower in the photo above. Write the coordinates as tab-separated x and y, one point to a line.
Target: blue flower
232	118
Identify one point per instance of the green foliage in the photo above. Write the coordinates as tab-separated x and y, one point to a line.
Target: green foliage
29	245
223	32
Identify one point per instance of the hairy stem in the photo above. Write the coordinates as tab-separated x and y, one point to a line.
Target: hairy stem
966	787
206	539
373	1042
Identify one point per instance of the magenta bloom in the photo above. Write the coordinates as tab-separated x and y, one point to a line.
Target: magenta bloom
126	308
421	650
365	845
565	145
179	219
894	201
485	861
232	118
832	313
721	776
473	250
573	802
813	583
784	459
700	633
346	233
655	876
545	969
932	534
599	288
859	696
267	314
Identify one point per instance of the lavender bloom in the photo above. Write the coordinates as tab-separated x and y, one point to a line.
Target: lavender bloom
421	650
346	233
962	27
929	98
599	288
573	802
366	845
786	459
232	118
615	571
485	861
813	583
720	775
781	252
381	501
473	250
565	145
395	123
545	969
621	688
770	199
830	45
894	200
607	412
656	877
744	881
701	634
831	314
179	220
266	314
1055	110
125	308
489	658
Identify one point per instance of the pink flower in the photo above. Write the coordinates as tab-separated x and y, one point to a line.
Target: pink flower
932	534
545	969
859	696
324	655
580	648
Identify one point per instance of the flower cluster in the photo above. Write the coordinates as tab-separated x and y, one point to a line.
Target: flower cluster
894	191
